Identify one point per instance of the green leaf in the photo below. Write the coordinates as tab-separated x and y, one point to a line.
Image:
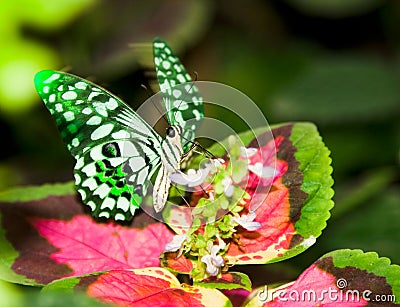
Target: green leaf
228	281
28	193
315	162
340	89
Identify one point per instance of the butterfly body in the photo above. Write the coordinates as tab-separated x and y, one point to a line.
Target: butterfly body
171	163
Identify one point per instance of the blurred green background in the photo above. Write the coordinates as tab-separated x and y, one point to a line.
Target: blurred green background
335	63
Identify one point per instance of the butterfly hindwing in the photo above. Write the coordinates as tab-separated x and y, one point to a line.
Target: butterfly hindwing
116	151
183	102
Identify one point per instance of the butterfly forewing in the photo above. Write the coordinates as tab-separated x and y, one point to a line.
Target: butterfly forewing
116	151
183	102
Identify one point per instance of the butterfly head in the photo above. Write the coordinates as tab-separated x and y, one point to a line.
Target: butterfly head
174	134
174	131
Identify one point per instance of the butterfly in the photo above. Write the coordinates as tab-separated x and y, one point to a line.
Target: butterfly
116	151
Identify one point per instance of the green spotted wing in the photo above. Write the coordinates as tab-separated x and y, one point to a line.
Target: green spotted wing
183	102
116	151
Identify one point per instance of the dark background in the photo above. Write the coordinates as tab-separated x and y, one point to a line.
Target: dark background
334	63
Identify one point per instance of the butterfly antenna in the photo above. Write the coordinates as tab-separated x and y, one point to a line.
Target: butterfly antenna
204	191
196	76
180	194
197	144
149	95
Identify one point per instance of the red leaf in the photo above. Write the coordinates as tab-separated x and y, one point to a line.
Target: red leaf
86	246
179	265
274	212
147	287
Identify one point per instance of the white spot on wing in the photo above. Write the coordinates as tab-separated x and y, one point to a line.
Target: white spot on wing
101	132
59	107
122	134
108	203
69	116
77	179
181	78
52	78
70	95
182	105
79	163
100	108
197	114
166	65
104	214
87	111
102	190
93	94
119	217
90	183
143	175
80	85
75	142
129	150
116	161
94	121
52	98
123	204
91	204
89	170
96	153
83	194
176	93
137	164
111	104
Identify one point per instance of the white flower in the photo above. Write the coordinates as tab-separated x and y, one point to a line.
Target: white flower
212	260
193	177
247	221
247	152
228	186
176	243
216	163
263	171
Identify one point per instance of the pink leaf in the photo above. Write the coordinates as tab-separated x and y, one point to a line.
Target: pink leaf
86	246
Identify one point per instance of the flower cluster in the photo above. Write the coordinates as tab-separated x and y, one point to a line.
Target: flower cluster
220	191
